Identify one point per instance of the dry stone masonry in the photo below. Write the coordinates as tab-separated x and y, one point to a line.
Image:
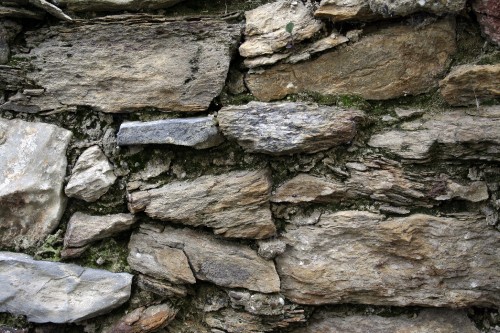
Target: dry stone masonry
281	166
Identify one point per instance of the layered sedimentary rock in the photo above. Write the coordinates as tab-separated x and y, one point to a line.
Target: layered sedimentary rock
235	204
361	257
145	319
395	61
288	128
46	291
111	5
32	169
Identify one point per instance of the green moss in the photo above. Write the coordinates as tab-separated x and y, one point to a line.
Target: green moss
51	249
12	321
109	254
240	99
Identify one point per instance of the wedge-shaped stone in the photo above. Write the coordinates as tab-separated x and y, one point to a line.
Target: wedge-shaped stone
428	320
46	291
111	5
470	84
144	320
288	128
131	62
32	169
235	204
394	61
360	257
215	260
346	10
467	134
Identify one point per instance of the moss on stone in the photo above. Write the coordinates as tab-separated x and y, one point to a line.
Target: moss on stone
109	254
12	321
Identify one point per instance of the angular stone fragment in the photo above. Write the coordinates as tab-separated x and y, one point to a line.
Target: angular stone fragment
145	320
91	177
153	63
488	15
428	320
346	10
256	303
471	84
270	248
199	133
266	26
32	169
11	78
162	288
360	257
18	12
112	5
235	204
288	128
83	229
391	62
455	134
215	260
46	291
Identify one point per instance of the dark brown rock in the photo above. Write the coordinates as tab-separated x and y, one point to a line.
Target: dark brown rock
488	15
145	320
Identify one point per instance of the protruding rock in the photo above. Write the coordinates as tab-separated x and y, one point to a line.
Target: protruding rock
161	288
391	62
346	10
270	248
488	15
360	257
19	12
288	128
91	177
215	260
32	169
199	133
145	320
256	303
235	204
112	5
471	84
46	291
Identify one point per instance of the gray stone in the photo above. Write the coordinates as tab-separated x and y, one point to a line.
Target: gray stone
215	260
408	113
361	257
270	248
182	68
288	128
51	9
112	5
256	303
235	204
91	177
11	78
199	133
46	291
161	288
18	12
8	30
32	169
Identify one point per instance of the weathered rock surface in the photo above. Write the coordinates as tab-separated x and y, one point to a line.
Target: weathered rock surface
235	204
470	84
270	248
360	257
288	128
391	62
488	15
111	5
257	303
46	291
199	132
32	169
221	262
265	30
83	229
162	288
91	177
8	30
145	320
455	134
428	320
170	66
345	10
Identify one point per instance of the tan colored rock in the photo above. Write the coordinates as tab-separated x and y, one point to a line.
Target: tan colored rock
162	288
471	84
145	320
360	257
346	10
395	61
112	5
235	204
215	260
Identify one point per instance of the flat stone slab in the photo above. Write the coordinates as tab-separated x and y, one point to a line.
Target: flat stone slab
288	128
45	291
199	132
32	170
112	5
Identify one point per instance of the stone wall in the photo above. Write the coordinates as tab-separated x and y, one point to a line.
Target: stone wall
249	166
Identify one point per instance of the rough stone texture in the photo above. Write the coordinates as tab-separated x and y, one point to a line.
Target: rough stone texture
235	204
51	9
145	320
46	291
91	177
83	229
170	66
112	5
428	320
454	134
488	15
265	30
395	61
270	248
360	257
8	30
215	260
471	84
162	288
288	128
346	10
32	169
256	303
196	132
17	12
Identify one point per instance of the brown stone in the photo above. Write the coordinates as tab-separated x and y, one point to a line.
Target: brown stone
145	320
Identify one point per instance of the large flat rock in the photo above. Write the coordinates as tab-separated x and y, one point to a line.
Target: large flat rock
32	169
288	128
112	5
391	62
131	62
46	291
361	257
235	204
